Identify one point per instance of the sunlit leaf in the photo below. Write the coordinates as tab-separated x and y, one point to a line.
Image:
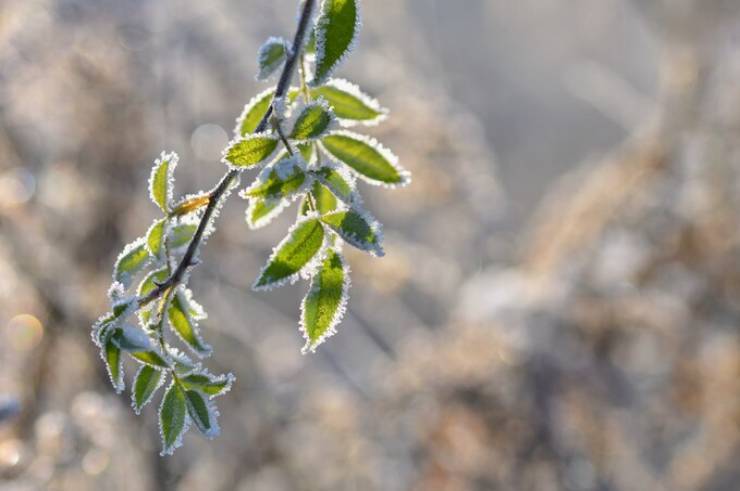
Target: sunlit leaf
349	103
172	418
203	413
292	255
357	229
254	112
337	29
324	305
372	162
161	180
111	354
210	385
146	383
180	235
250	150
155	237
340	183
133	259
185	326
313	121
323	198
271	56
261	212
279	180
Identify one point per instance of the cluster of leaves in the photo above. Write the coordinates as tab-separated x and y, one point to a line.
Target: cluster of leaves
306	153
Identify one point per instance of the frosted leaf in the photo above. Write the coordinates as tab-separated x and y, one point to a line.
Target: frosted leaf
369	159
271	56
116	291
195	309
180	235
323	198
203	413
146	382
337	30
324	305
133	259
294	253
162	181
250	150
351	106
253	113
282	179
192	203
211	385
261	212
358	229
132	339
183	324
340	182
312	121
173	418
111	355
155	236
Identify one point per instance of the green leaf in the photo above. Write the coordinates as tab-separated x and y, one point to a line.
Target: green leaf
148	285
271	56
150	358
358	230
185	326
133	259
155	237
210	385
261	212
349	103
306	151
323	198
161	180
250	150
341	185
180	235
282	179
146	383
373	162
314	120
172	418
253	112
324	305
111	354
203	413
337	29
292	255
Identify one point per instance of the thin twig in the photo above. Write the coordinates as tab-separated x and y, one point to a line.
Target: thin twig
218	192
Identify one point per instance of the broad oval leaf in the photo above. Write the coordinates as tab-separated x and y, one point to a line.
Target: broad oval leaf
250	150
185	326
155	237
349	103
180	235
313	121
325	303
203	413
254	112
337	29
261	212
272	54
282	179
292	255
172	418
162	181
323	198
340	183
146	383
211	385
133	259
357	229
373	162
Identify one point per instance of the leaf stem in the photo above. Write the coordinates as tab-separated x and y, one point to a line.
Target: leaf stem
215	195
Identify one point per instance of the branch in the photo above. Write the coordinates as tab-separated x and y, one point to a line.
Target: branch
218	192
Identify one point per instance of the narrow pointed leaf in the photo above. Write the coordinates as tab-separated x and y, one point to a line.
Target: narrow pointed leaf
210	385
250	150
337	29
155	237
371	161
161	180
253	113
203	413
271	56
185	326
324	305
261	212
146	383
358	230
111	354
292	255
349	103
313	121
172	418
280	180
133	259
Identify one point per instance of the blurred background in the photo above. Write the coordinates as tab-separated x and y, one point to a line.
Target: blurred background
559	304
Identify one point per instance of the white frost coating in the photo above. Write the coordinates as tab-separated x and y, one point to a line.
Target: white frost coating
355	91
298	274
172	159
354	199
178	441
375	226
160	382
287	168
310	346
265	67
249	107
385	152
268	218
239	139
207	349
116	291
118	385
229	378
134	339
213	416
196	309
321	24
299	109
280	107
125	277
177	357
